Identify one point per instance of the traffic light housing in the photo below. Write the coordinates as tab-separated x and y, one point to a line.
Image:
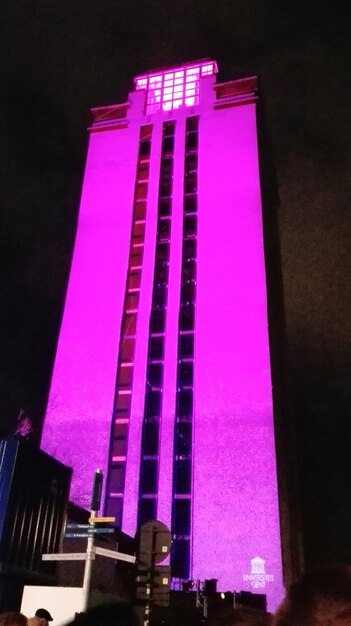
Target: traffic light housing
153	584
153	580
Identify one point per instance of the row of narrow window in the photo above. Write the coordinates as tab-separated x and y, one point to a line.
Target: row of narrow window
154	374
182	465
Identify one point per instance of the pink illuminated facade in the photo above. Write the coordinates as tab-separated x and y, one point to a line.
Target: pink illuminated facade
162	373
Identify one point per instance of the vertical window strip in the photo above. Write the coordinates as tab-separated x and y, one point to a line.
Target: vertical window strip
121	415
182	451
149	462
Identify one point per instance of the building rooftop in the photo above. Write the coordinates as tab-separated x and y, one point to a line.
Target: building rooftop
174	87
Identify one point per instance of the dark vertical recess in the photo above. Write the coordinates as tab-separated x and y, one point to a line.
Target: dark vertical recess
182	455
149	462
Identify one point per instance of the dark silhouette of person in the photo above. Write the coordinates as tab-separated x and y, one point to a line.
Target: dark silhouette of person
41	617
13	619
320	598
114	614
241	616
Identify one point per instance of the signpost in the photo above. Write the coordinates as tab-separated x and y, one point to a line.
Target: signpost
88	531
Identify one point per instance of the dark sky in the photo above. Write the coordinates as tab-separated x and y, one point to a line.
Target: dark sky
59	58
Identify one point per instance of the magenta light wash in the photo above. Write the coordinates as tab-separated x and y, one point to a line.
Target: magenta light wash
235	534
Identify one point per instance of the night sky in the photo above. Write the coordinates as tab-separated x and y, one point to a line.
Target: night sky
59	58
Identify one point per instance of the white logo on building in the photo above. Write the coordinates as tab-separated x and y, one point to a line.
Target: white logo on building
257	565
258	577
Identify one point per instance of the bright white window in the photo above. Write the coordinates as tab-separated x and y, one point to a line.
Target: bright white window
173	89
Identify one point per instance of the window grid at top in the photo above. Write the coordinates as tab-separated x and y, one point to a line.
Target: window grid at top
172	90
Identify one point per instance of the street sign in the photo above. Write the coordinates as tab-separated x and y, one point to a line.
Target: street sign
65	556
78	535
90	531
81	556
98	520
71	526
115	555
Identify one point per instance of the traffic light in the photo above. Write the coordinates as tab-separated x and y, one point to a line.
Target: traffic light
153	584
153	580
154	543
97	489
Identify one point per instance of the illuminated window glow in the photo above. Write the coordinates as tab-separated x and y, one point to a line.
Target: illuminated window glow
174	88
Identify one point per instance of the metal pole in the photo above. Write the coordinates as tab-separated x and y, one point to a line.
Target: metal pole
205	609
197	601
150	586
147	607
88	567
90	544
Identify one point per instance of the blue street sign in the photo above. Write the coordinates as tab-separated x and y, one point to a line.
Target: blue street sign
72	526
89	527
91	531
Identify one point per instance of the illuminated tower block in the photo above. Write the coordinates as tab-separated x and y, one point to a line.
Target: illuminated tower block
162	374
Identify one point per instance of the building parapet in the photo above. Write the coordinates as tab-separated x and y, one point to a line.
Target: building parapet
234	92
109	117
